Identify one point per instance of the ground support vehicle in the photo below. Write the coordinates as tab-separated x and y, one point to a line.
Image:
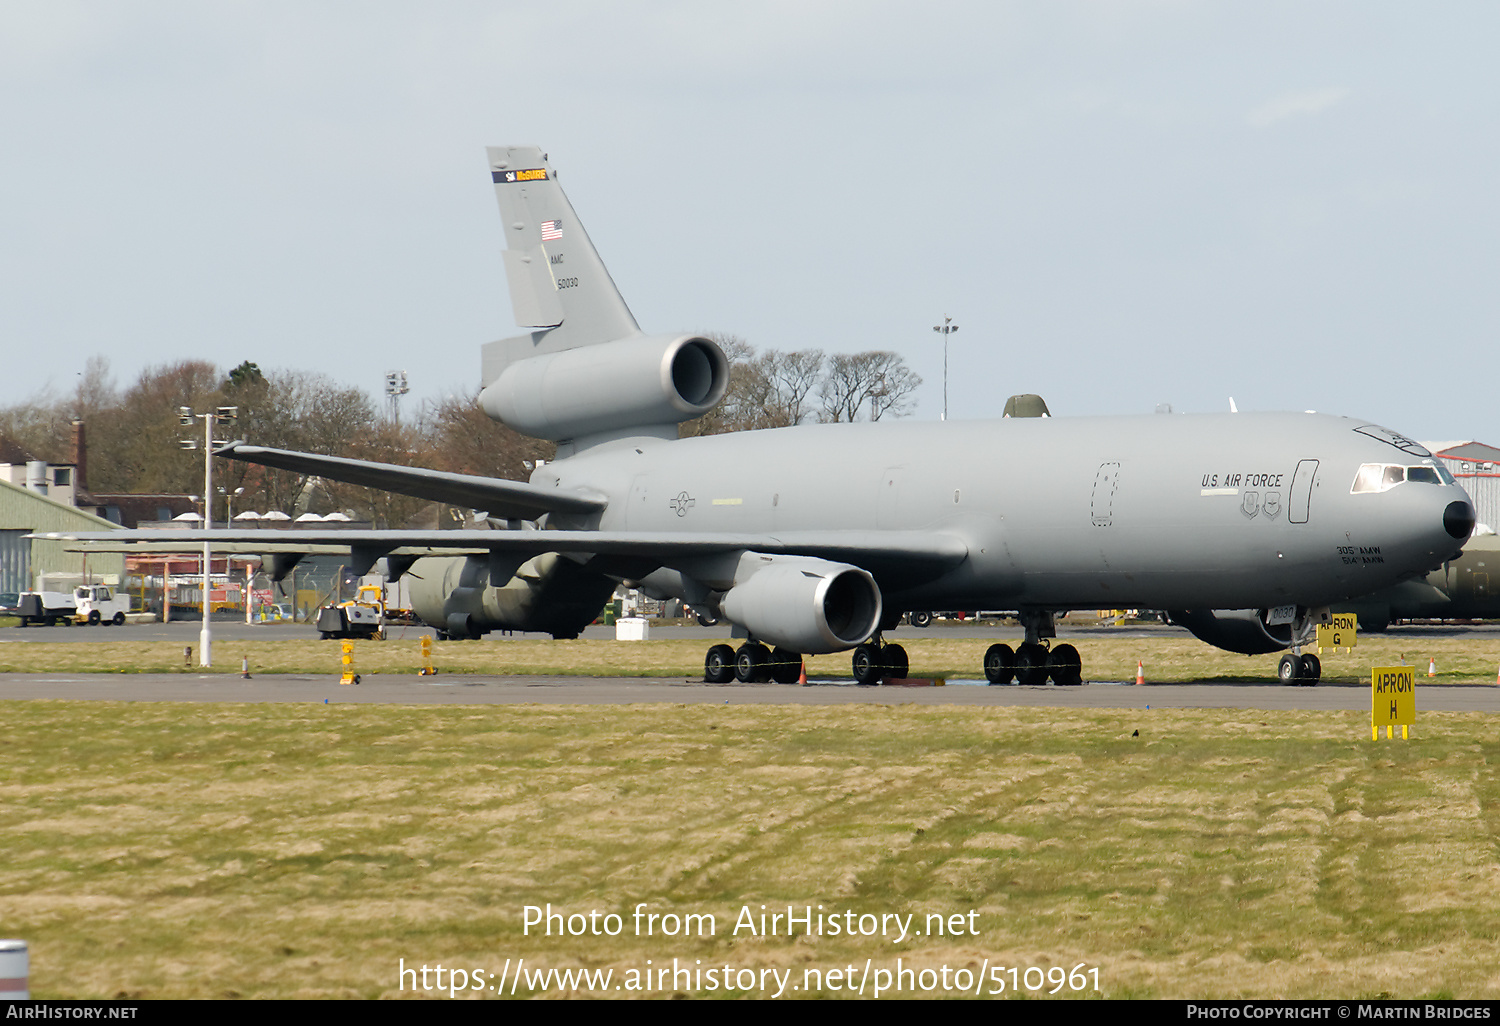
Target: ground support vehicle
97	604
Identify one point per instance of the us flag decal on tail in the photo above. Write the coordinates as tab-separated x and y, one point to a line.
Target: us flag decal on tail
551	230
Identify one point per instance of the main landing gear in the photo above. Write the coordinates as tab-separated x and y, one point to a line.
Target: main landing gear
1034	660
751	663
754	663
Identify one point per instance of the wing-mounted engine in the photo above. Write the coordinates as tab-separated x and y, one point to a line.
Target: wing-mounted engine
1234	630
806	605
548	593
609	388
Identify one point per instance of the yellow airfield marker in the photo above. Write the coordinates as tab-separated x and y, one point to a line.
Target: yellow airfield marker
1393	700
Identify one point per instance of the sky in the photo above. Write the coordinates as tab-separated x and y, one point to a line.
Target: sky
1121	203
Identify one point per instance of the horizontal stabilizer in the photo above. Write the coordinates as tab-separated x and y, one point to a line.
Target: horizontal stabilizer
506	500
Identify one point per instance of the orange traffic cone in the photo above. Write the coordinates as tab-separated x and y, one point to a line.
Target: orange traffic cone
802	674
1431	667
1140	672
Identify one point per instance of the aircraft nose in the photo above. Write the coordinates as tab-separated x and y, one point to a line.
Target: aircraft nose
1458	519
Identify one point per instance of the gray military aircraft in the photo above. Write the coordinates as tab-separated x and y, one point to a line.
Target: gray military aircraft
815	539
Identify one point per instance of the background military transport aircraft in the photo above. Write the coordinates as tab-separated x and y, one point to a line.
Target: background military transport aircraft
815	539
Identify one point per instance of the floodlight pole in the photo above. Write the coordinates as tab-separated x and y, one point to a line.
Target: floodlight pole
947	328
223	415
205	636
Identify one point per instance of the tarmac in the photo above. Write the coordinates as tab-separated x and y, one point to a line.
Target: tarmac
474	689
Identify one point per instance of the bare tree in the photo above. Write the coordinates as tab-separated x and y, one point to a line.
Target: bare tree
136	446
880	379
792	377
463	439
288	410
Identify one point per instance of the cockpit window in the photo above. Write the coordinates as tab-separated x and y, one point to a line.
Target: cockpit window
1377	477
1368	478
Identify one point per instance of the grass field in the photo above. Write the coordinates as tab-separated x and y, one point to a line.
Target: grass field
1166	658
174	850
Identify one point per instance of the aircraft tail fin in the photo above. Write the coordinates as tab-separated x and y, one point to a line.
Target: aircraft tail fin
558	284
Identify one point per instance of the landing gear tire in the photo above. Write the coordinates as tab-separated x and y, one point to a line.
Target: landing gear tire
999	664
1312	670
921	618
1289	670
785	666
1031	664
750	663
897	665
718	665
1064	666
866	663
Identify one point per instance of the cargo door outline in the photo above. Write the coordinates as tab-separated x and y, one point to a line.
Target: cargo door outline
1102	504
1300	499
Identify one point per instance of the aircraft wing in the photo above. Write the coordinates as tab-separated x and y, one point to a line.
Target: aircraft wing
508	500
888	555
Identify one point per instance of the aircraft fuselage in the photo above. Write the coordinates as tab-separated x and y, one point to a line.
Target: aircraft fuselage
1160	511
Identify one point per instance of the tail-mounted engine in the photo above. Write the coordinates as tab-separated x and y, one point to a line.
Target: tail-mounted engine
615	386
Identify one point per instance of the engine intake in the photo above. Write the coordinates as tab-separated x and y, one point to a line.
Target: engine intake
807	605
628	383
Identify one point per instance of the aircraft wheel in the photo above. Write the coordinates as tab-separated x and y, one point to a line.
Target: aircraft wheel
999	664
1064	665
118	619
718	665
1289	670
921	618
867	666
895	662
750	663
706	621
1031	664
94	618
786	665
1312	670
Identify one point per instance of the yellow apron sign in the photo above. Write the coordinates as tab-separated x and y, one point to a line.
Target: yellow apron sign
1393	700
1343	632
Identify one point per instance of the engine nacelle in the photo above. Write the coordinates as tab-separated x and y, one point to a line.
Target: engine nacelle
1234	630
549	594
808	605
615	386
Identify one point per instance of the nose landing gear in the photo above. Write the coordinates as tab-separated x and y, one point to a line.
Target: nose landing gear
1299	668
